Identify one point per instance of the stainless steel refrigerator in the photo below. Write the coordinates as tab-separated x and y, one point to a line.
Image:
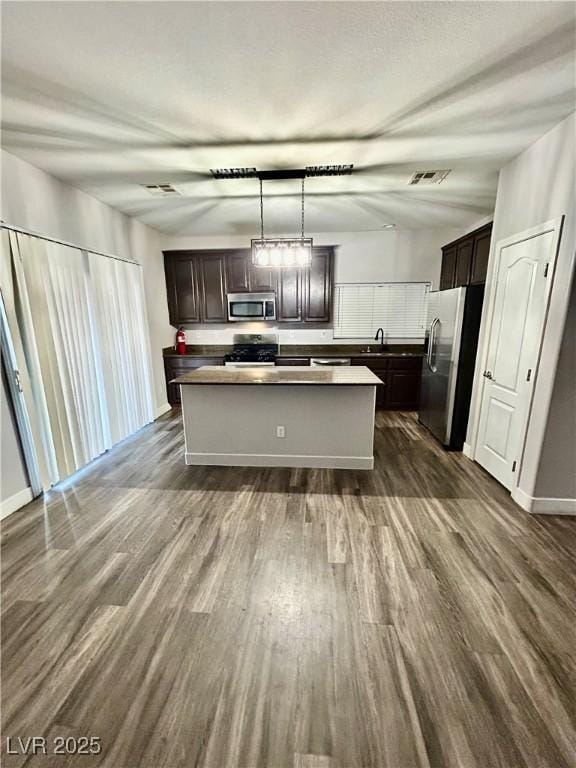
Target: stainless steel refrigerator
448	365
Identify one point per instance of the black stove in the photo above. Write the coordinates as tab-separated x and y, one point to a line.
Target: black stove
253	349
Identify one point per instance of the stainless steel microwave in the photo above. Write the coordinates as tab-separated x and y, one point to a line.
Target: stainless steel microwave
245	307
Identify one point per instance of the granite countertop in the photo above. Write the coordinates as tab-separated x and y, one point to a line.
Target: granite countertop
350	350
357	375
309	350
199	350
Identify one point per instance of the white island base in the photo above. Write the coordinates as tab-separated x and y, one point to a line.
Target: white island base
261	424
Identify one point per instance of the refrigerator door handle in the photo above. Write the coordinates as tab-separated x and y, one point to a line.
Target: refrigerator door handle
429	343
431	340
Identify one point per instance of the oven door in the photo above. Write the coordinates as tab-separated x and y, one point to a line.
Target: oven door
246	307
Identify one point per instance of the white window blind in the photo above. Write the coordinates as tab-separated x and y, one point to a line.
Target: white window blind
400	309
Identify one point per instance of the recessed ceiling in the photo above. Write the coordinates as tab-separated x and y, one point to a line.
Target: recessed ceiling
113	96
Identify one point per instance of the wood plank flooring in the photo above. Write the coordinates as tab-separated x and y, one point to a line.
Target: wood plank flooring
409	617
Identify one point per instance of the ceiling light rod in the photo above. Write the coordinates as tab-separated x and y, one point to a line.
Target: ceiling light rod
281	174
290	252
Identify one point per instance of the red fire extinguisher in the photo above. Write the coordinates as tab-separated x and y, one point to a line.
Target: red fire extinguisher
181	341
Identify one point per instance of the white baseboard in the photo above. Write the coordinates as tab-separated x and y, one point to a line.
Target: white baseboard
257	460
467	450
15	502
162	409
543	506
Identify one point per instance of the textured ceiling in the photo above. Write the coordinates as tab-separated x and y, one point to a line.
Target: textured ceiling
108	96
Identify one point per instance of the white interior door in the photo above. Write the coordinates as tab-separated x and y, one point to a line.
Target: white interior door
524	278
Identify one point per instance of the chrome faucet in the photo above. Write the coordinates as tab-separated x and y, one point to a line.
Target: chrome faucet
380	332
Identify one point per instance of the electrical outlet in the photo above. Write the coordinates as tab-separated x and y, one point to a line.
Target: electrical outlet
280	431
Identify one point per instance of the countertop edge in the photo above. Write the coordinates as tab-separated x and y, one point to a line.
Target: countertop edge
292	355
277	383
303	351
304	376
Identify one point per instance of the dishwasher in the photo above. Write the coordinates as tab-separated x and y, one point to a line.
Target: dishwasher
317	362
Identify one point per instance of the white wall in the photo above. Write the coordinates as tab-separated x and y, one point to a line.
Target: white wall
556	475
535	187
13	476
392	255
34	200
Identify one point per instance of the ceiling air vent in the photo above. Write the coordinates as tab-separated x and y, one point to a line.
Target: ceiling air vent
428	177
162	190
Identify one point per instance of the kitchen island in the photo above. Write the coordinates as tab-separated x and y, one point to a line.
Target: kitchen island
279	417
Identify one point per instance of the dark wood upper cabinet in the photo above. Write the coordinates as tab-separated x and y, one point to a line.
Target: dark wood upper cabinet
238	271
448	273
480	256
261	278
198	281
182	288
212	281
244	276
289	296
317	289
463	262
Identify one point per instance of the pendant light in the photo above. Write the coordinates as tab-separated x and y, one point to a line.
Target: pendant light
281	251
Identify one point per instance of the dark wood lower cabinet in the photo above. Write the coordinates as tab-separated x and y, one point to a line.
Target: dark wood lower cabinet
292	361
401	381
177	366
400	376
403	384
379	366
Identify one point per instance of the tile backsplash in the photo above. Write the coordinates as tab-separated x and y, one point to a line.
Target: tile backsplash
286	336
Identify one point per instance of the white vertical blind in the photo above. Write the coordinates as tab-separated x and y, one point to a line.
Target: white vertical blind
58	292
17	307
84	356
398	308
120	319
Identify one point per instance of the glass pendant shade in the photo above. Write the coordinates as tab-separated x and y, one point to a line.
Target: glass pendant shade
282	252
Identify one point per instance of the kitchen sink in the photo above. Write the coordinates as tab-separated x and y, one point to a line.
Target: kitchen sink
376	352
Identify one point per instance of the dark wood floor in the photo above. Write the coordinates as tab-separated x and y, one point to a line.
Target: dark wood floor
409	616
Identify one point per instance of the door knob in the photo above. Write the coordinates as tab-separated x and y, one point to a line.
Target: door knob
488	375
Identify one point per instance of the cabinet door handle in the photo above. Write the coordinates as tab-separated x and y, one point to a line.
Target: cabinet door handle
488	375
